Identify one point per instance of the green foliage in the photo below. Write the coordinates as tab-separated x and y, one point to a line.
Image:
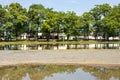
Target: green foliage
99	13
103	20
87	20
2	20
70	24
15	20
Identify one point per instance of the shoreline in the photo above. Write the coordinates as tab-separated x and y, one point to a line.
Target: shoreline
63	64
87	57
59	42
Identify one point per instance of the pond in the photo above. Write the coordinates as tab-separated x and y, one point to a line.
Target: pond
58	46
59	72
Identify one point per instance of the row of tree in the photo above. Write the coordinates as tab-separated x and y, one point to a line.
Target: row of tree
103	20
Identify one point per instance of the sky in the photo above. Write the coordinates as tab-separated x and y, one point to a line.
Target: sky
78	6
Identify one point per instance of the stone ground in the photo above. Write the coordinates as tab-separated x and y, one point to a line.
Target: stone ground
106	57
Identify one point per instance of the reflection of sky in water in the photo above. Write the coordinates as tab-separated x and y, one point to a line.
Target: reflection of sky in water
112	78
78	75
59	73
27	77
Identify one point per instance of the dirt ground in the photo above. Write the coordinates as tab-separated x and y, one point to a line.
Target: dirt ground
105	57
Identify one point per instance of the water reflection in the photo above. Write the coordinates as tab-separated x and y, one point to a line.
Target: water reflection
5	77
79	74
27	77
59	46
59	72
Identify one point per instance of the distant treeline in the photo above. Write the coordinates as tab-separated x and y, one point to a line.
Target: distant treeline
102	20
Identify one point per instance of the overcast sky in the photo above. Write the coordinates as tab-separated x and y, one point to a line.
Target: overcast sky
78	6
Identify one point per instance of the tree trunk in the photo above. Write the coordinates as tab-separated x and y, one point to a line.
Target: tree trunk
95	38
16	35
58	32
47	39
53	36
107	38
84	36
76	39
68	37
37	36
58	36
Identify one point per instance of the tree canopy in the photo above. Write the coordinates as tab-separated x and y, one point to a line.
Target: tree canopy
102	20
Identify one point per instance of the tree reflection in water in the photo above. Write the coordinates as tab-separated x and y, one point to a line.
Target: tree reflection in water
59	72
59	46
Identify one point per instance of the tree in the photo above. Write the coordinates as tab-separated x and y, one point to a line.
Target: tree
115	14
103	20
70	20
49	25
2	20
87	20
36	14
98	13
111	23
59	22
16	20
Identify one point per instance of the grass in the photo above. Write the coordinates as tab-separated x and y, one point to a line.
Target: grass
60	42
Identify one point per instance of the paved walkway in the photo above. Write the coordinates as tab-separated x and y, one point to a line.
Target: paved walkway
81	57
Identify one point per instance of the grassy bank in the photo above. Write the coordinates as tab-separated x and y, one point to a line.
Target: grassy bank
60	42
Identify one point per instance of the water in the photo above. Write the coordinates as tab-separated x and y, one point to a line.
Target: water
59	46
59	72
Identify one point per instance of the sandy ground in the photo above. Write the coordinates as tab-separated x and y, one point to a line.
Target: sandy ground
72	57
